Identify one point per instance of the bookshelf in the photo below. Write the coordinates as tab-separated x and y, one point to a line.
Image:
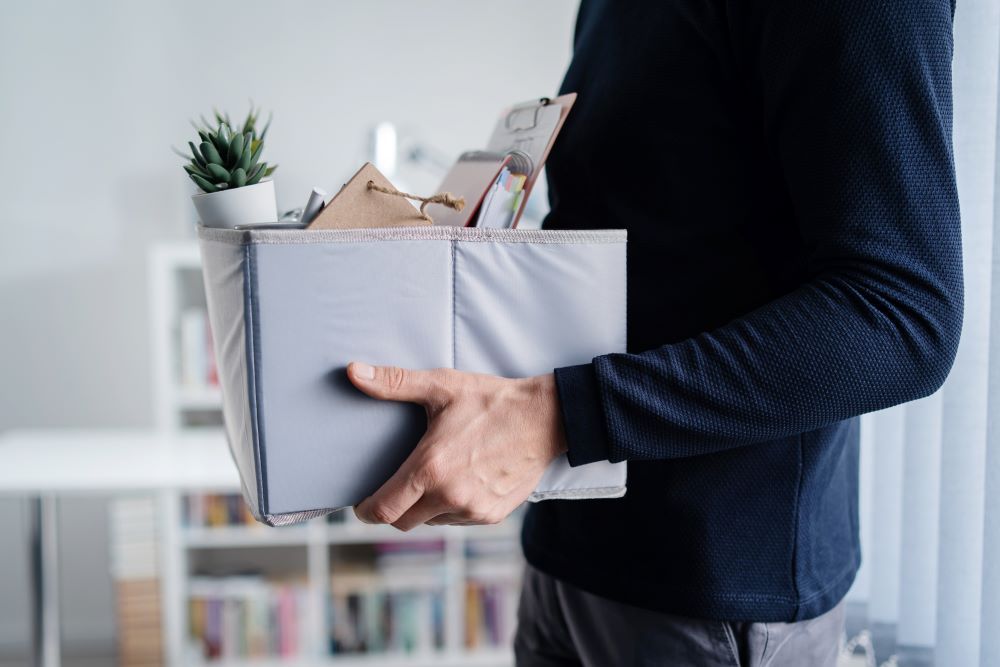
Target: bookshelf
340	593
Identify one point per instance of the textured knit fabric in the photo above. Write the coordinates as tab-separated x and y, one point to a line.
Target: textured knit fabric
784	170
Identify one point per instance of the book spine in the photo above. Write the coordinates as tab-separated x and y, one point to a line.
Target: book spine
240	618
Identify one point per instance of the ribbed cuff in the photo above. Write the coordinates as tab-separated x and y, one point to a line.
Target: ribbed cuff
583	414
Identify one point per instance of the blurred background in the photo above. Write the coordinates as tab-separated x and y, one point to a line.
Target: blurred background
105	344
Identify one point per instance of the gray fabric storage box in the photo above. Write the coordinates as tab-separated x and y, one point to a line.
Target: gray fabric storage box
290	309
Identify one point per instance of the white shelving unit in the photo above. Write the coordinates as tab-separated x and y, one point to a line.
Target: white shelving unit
175	284
175	287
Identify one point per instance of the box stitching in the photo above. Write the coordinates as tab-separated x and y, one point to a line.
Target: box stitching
465	234
591	492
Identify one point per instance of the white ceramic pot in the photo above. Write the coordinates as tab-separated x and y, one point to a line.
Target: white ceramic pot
239	206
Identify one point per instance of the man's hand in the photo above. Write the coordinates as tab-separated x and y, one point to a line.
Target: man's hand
488	441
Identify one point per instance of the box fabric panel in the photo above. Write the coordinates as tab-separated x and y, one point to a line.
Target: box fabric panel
223	266
291	308
321	306
522	309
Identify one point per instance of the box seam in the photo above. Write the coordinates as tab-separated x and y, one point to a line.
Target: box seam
454	304
253	358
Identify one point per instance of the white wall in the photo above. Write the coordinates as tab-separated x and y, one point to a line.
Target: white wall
92	96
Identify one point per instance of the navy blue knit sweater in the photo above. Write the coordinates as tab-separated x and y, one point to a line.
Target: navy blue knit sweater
784	170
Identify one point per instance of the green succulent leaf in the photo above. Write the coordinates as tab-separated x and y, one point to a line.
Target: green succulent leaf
238	179
267	126
258	148
197	156
211	154
203	184
235	150
218	172
221	144
221	118
193	170
256	174
270	170
244	161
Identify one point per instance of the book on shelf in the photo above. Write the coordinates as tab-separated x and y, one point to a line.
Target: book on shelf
197	353
393	604
134	551
492	588
221	510
247	617
216	510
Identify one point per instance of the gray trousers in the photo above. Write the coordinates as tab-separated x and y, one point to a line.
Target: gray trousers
560	625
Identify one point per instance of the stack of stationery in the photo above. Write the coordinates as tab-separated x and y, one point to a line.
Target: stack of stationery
496	182
485	188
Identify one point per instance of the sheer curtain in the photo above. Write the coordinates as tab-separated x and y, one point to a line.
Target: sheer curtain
930	498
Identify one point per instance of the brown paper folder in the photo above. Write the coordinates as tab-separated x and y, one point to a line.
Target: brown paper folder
356	207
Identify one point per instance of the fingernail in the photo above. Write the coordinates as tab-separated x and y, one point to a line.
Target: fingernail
364	371
358	514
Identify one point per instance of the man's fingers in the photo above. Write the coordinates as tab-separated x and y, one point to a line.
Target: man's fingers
449	519
422	511
391	383
469	517
393	499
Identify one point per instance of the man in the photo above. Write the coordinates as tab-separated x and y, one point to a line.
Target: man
784	170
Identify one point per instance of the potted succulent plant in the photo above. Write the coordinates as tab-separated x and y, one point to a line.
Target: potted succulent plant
226	166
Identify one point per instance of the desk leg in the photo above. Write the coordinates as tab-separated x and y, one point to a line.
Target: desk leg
44	582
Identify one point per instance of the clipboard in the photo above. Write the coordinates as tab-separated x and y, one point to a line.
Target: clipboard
530	129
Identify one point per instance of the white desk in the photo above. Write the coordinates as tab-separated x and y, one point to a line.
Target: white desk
72	462
43	465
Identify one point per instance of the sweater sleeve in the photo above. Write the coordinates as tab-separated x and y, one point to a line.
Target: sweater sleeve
856	99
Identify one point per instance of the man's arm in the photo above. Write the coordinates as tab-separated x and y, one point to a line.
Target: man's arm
857	102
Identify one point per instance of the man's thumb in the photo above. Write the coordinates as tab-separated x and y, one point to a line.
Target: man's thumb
391	383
